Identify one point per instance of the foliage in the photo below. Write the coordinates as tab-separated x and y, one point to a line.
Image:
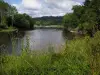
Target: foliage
3	12
95	54
48	20
22	21
70	21
87	17
3	6
30	19
9	17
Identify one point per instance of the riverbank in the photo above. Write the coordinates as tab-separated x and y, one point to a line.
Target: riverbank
49	27
80	57
12	29
9	29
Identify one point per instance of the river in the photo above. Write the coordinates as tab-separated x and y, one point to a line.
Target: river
38	39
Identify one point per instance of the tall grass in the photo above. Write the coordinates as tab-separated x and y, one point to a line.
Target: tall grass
80	57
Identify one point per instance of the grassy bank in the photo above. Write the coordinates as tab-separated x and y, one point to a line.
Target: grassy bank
49	27
9	29
80	57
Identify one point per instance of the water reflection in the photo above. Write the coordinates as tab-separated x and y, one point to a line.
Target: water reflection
8	40
39	39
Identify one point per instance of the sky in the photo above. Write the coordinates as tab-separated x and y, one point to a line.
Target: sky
38	8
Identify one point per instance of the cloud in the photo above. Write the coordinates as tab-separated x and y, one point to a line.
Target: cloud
81	1
37	8
31	4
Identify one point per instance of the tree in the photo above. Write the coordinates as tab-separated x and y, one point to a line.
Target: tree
87	3
88	16
9	17
91	17
31	21
20	21
23	21
70	21
3	12
95	5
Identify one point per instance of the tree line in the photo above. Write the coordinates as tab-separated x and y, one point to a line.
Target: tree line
85	18
48	20
9	17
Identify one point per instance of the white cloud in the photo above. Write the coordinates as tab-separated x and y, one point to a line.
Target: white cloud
33	4
37	8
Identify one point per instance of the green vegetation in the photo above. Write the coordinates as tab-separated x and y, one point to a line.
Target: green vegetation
70	21
49	26
80	57
10	17
22	21
85	18
9	29
48	20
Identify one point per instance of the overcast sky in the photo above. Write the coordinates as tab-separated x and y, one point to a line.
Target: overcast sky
38	8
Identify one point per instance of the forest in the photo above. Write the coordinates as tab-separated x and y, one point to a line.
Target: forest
11	19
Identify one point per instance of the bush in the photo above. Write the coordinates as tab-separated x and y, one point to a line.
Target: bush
95	53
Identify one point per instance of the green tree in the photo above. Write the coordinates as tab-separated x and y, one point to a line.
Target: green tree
90	19
95	5
3	12
20	21
78	11
23	21
10	17
87	3
31	21
87	16
70	21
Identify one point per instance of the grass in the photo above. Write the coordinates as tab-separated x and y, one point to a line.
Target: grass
50	26
80	57
9	29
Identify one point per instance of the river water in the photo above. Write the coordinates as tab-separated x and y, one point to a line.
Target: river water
38	39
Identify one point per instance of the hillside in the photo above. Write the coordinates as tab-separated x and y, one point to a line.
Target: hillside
48	20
